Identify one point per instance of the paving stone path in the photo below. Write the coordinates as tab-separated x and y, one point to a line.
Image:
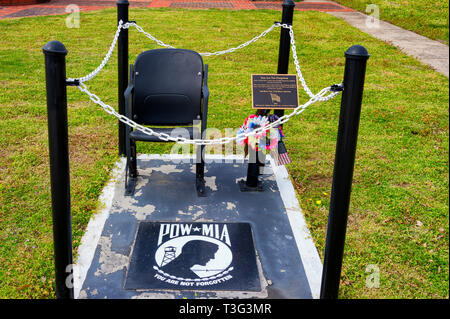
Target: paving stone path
59	6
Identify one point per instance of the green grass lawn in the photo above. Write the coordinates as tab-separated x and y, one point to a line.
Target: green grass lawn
399	212
426	17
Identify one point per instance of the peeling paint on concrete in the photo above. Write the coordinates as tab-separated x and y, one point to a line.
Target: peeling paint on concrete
198	214
210	181
196	211
130	205
204	220
142	213
141	181
150	295
82	295
183	213
167	169
128	202
109	260
231	206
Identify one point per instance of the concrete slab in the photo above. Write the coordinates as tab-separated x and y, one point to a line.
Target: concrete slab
287	260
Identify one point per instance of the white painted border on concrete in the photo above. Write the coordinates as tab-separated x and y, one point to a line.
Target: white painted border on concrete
307	250
306	247
94	229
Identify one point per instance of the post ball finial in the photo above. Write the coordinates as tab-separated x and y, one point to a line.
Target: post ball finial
54	47
288	3
357	51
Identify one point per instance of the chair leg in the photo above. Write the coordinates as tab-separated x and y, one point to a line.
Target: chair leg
133	160
131	169
200	173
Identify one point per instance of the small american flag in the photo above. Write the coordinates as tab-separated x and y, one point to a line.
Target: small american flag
280	154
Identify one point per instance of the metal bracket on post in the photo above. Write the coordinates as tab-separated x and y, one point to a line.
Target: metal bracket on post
337	87
74	82
355	70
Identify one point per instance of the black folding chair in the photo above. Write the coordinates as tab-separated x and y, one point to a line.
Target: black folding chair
168	87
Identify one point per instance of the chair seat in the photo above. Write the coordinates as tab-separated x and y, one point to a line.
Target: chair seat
140	136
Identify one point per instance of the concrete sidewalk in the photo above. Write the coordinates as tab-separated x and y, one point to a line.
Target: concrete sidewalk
430	52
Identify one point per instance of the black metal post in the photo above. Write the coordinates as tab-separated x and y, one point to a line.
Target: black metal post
122	52
285	42
257	159
285	38
254	163
287	16
355	69
252	169
55	75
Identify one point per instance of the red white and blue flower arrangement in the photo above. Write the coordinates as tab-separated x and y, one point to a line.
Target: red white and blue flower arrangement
269	140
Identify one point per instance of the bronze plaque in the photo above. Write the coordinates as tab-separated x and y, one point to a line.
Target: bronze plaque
274	91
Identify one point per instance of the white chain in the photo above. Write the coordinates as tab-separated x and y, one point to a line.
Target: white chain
224	140
297	67
148	35
243	45
105	59
321	96
127	25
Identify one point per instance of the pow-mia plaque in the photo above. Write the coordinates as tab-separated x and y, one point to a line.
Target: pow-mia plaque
274	91
193	256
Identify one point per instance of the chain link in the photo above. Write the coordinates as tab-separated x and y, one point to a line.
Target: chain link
243	45
127	25
105	59
323	95
148	35
224	140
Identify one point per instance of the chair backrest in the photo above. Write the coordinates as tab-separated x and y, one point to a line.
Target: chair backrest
167	87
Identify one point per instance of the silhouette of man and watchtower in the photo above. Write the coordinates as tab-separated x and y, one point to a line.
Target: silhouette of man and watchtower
194	252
